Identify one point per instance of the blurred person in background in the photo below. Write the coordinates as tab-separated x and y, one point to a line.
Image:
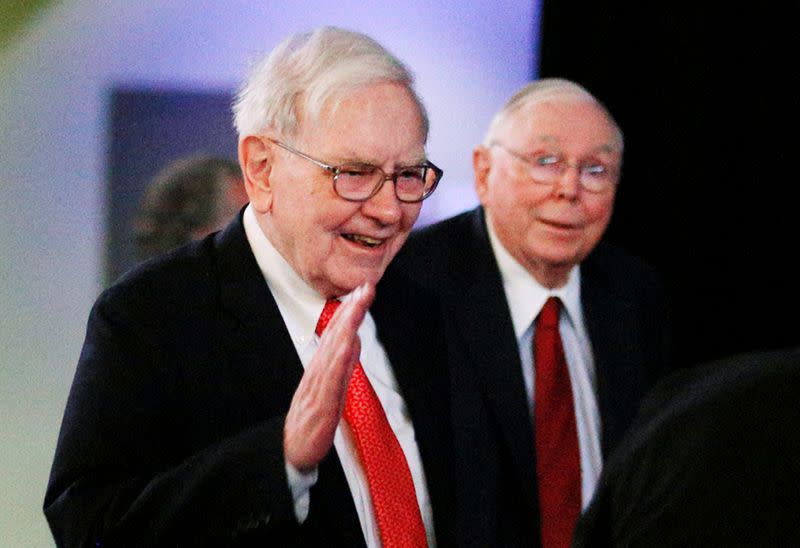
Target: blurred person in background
187	200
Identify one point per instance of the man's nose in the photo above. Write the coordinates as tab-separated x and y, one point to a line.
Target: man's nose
568	183
384	205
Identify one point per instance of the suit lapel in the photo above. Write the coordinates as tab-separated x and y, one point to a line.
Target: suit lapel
611	321
268	370
258	340
410	331
484	323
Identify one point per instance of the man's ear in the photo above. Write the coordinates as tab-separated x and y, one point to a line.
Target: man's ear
481	165
255	157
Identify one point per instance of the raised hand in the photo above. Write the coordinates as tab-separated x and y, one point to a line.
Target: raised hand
319	399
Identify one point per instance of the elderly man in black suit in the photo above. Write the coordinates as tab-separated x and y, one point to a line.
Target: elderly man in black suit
530	442
216	402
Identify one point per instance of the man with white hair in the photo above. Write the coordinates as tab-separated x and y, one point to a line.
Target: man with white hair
561	334
221	398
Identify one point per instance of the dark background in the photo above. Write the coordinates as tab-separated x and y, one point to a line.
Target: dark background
707	100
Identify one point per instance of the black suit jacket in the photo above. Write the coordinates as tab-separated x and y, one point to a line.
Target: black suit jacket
624	308
712	460
173	432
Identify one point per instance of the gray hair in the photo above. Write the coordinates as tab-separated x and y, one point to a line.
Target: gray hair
549	89
307	72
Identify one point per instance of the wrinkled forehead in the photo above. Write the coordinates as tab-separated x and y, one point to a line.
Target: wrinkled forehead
369	123
560	119
350	100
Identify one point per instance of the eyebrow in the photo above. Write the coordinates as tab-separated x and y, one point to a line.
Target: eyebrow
606	147
341	161
610	149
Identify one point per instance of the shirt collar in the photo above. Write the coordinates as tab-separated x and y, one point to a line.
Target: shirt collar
525	295
299	304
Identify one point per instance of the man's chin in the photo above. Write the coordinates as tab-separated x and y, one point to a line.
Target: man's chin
343	284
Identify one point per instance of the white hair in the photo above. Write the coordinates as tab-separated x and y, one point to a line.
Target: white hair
549	89
310	71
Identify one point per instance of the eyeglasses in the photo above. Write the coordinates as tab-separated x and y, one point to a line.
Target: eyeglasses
359	182
547	167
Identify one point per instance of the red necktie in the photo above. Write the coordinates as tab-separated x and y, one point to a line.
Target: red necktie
558	470
390	485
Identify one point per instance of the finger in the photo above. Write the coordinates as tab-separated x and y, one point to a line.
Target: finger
350	315
315	411
318	403
363	297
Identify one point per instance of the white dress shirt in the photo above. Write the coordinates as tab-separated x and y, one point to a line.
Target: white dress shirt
526	297
300	306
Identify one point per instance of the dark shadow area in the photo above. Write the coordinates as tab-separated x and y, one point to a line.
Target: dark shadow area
709	108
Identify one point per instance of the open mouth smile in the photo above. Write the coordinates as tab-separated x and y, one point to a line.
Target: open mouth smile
360	239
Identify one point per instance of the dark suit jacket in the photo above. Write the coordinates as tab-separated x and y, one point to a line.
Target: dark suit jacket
173	432
713	460
624	309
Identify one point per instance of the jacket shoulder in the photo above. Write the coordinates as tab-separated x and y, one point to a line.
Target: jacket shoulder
168	287
446	252
612	265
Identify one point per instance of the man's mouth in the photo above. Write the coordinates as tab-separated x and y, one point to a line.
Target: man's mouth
557	224
360	239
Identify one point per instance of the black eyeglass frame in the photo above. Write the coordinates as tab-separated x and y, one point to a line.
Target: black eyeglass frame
336	171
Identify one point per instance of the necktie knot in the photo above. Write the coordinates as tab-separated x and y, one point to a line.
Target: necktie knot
327	313
548	317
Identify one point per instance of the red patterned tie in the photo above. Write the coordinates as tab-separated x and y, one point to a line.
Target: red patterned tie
390	485
558	470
